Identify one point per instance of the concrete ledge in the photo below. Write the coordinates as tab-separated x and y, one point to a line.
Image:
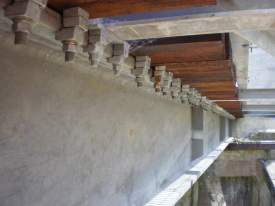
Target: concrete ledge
176	190
258	145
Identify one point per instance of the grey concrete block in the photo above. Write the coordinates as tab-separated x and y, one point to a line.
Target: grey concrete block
197	148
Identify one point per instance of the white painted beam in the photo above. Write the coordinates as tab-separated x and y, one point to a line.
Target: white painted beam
176	190
257	95
221	22
263	39
258	108
259	113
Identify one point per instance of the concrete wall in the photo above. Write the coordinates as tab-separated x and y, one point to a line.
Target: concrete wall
211	132
245	126
73	135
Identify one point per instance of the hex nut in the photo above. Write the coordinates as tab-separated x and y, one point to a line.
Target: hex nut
94	57
142	64
159	73
101	39
124	46
117	67
21	27
139	71
120	52
98	31
116	60
69	47
72	33
94	48
143	58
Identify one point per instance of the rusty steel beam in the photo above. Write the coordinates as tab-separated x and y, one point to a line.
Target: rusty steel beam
106	8
250	146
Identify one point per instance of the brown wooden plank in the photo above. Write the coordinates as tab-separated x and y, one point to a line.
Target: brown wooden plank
231	88
205	80
204	74
177	40
211	84
221	93
107	8
222	97
220	66
206	51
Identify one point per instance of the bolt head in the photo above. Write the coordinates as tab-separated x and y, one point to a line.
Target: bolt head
117	72
21	27
139	84
69	48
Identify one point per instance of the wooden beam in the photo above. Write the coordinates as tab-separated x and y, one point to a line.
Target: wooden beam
203	66
204	75
107	8
182	49
190	81
211	84
206	89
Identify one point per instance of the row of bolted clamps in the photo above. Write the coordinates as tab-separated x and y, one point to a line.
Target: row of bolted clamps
120	52
25	14
165	86
158	77
96	44
142	65
74	31
175	88
184	92
194	97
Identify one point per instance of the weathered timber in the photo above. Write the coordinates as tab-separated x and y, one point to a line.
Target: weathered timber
107	8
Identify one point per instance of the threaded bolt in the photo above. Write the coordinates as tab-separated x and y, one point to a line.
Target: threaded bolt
21	38
69	57
157	90
94	63
139	84
117	72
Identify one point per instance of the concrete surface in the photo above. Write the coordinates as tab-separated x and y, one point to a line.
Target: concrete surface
240	56
245	126
213	188
262	39
242	177
222	6
73	135
172	194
